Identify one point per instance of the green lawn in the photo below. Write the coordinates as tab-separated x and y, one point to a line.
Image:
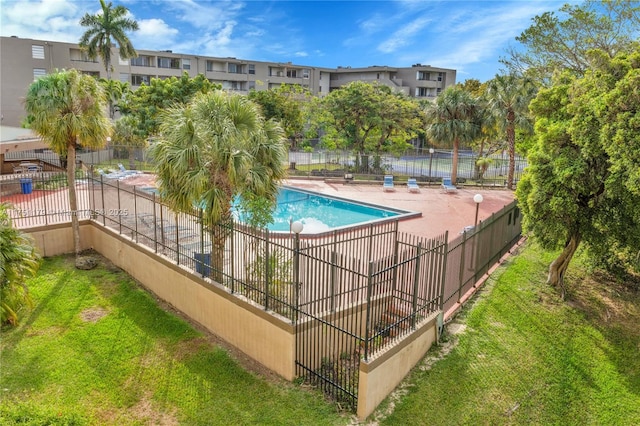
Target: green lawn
97	349
527	357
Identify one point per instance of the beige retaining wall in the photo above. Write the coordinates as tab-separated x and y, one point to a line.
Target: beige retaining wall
379	376
262	336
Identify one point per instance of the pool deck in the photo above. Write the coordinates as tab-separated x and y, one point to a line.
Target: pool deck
440	211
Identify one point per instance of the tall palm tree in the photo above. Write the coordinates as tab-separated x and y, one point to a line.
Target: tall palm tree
453	119
508	99
106	28
212	150
67	110
116	92
18	261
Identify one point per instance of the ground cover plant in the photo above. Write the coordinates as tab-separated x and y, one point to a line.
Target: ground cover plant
97	349
527	357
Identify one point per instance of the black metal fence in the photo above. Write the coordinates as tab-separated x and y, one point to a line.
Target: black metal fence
350	293
421	164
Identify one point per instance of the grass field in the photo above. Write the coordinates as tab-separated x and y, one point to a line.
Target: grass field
97	349
523	356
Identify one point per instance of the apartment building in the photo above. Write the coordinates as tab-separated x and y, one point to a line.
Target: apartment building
24	60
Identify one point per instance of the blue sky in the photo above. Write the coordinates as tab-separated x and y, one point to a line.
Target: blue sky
469	36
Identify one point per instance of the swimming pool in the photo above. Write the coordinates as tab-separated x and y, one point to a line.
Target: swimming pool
321	213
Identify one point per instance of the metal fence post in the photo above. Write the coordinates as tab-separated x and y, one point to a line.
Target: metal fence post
367	330
416	279
462	260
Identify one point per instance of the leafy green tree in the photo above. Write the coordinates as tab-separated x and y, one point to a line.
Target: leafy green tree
581	186
106	29
214	149
67	110
454	119
18	261
287	104
367	117
148	101
127	134
557	42
508	101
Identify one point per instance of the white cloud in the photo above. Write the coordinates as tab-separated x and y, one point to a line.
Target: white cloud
154	34
404	35
50	19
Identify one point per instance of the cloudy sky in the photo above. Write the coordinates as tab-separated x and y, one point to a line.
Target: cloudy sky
469	36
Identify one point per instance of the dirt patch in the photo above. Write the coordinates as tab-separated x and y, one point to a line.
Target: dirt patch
93	314
146	411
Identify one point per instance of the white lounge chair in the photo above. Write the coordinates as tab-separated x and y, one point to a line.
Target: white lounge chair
388	184
447	186
412	185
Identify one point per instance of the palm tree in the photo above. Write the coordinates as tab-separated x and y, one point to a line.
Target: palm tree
104	29
67	110
213	149
116	92
18	261
453	119
508	99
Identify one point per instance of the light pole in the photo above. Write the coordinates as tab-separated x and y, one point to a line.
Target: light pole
108	147
297	228
477	199
431	151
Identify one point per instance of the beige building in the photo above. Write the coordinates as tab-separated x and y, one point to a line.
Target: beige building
24	60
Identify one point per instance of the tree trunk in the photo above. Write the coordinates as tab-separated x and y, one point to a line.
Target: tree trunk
511	142
559	266
454	162
73	201
132	159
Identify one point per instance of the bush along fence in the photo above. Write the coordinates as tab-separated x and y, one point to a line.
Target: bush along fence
351	295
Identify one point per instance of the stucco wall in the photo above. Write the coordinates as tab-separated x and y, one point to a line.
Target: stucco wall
262	336
380	375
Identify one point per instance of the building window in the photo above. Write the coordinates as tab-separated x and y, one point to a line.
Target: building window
234	69
80	56
252	69
37	51
423	75
39	72
124	77
440	76
168	63
186	64
141	61
123	61
138	80
252	85
292	73
305	73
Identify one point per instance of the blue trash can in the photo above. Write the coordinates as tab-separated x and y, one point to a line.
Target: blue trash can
27	185
203	263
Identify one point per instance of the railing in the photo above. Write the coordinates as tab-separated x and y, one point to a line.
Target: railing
350	294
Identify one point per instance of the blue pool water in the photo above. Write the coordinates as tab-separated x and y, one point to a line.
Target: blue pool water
319	213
